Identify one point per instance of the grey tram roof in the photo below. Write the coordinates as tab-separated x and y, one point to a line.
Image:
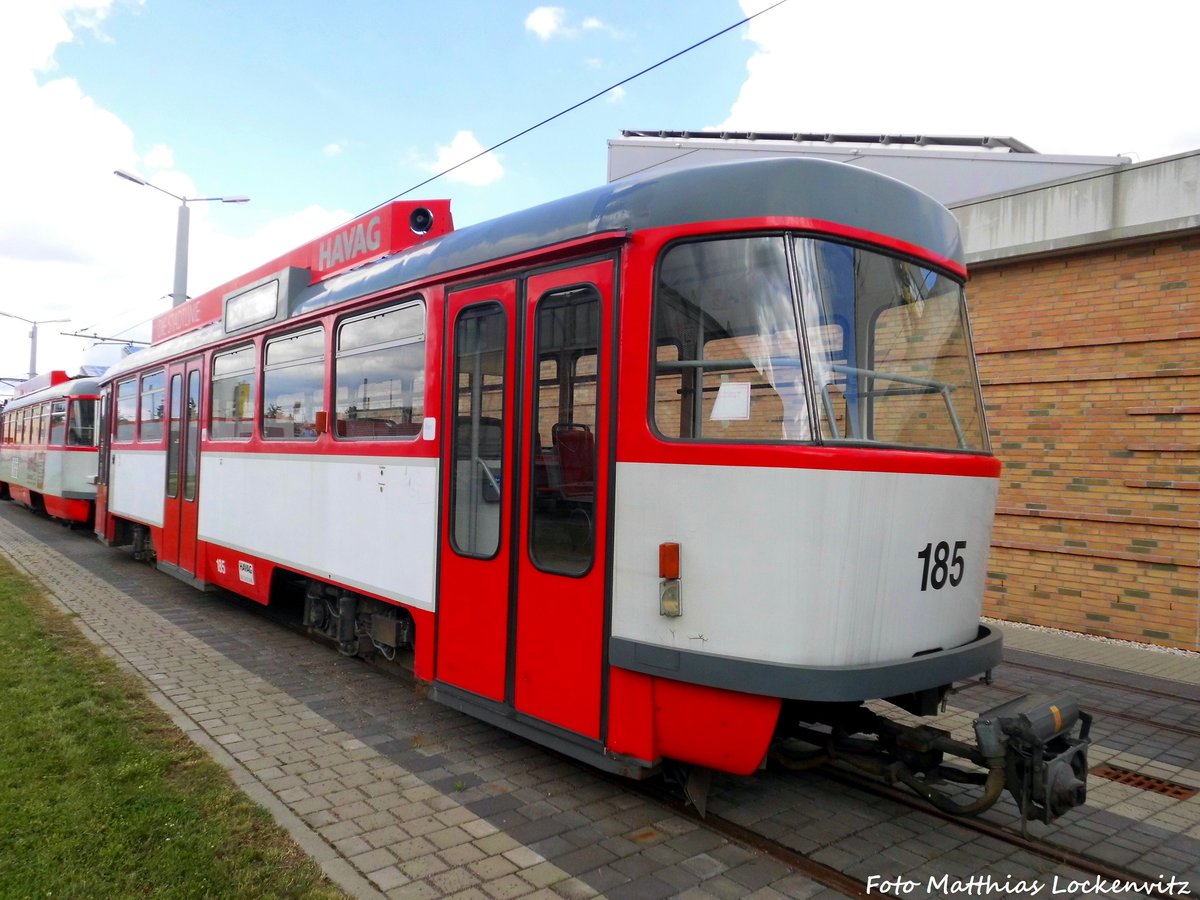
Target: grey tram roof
782	186
808	188
72	387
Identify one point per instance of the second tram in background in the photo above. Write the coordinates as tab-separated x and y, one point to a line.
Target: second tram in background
662	472
48	453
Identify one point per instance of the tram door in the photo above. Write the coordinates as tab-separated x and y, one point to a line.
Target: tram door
477	492
521	604
178	546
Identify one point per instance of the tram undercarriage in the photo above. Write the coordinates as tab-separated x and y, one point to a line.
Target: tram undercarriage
1030	745
358	625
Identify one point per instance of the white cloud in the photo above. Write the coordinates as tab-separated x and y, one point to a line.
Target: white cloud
159	157
546	21
1039	72
483	171
77	242
549	22
334	149
616	95
591	23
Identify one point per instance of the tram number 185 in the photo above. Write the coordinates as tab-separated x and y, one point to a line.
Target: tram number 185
942	564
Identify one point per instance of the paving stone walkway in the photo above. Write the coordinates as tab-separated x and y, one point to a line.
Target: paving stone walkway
391	794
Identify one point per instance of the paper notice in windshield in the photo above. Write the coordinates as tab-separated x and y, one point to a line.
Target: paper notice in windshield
732	403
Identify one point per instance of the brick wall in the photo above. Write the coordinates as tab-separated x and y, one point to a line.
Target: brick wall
1091	372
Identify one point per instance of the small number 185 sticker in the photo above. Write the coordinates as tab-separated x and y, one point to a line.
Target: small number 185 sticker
942	564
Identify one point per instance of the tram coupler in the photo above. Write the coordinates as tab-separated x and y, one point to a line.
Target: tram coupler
1045	767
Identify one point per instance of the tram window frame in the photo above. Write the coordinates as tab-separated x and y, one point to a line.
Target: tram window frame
476	525
306	364
125	405
775	358
904	398
239	373
150	427
58	423
560	512
81	421
191	436
403	352
174	435
42	424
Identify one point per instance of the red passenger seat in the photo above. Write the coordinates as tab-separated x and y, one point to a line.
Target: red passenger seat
576	447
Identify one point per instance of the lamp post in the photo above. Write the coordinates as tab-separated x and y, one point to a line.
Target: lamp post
179	294
33	337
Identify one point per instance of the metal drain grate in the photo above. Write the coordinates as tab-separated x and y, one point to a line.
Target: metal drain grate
1144	782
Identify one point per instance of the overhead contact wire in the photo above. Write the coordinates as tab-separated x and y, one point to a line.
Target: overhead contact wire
585	101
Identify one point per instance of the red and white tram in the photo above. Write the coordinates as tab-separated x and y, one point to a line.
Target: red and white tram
48	446
644	474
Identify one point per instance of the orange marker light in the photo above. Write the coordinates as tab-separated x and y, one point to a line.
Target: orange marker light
668	561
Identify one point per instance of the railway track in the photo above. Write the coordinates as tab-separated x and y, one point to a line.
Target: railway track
1158	724
1040	847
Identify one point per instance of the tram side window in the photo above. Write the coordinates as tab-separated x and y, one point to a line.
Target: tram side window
728	364
562	533
58	422
126	410
152	399
41	424
233	388
379	376
293	385
478	431
82	431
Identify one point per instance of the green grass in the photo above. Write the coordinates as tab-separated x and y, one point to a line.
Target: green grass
101	796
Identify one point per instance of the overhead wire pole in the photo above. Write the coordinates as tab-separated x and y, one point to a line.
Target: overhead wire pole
33	337
179	294
594	96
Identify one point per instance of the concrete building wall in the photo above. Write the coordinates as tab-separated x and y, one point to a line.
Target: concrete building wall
949	175
1085	303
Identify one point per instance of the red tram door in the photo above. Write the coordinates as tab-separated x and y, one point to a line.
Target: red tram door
521	604
477	493
180	511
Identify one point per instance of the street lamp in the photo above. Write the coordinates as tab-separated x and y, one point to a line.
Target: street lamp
179	295
33	338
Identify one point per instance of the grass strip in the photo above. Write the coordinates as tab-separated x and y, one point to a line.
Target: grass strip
102	796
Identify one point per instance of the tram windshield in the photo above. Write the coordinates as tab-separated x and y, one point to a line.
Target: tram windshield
82	430
885	357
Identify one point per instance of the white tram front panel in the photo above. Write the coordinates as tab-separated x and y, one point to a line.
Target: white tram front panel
366	523
802	567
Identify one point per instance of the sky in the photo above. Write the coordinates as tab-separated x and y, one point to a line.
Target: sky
320	111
